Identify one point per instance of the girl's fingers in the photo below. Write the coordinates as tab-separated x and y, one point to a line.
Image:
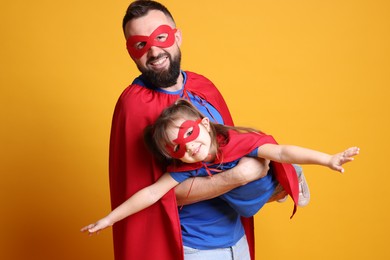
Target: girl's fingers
87	228
351	151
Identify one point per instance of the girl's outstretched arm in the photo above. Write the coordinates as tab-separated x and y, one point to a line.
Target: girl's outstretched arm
139	201
300	155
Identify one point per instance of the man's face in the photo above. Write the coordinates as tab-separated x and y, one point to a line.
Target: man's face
158	64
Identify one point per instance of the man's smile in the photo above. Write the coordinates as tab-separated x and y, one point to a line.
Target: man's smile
159	62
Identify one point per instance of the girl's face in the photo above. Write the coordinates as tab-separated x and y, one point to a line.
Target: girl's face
190	140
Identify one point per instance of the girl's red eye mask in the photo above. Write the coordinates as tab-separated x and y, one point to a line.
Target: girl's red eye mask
182	139
138	45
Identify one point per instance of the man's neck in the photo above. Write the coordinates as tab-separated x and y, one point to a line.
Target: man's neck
177	86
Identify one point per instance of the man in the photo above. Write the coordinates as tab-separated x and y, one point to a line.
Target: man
153	42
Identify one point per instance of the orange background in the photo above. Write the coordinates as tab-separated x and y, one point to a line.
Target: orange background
312	73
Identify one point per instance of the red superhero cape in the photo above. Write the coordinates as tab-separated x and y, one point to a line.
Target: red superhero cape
153	233
240	144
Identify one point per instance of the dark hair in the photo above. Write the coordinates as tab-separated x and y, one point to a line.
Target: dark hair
156	137
140	8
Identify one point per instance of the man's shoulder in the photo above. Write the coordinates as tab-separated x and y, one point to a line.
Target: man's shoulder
192	76
134	90
200	85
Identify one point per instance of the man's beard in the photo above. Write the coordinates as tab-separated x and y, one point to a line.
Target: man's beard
164	78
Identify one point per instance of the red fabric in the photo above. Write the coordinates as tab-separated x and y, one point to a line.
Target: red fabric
241	144
153	233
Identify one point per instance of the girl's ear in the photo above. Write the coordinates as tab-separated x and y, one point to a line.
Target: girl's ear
206	123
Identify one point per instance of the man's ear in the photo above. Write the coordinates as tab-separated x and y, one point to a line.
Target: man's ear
178	37
206	123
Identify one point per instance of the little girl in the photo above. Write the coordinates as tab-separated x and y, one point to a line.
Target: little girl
195	146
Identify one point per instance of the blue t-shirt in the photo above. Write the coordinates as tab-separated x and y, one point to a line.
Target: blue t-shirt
247	200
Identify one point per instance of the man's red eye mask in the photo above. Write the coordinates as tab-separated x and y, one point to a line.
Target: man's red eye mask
150	41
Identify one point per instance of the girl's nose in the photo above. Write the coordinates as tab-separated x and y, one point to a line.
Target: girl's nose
189	147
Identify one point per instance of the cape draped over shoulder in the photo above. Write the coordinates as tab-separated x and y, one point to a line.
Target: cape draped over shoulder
153	233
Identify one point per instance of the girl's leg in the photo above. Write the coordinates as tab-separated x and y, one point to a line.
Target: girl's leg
279	194
304	192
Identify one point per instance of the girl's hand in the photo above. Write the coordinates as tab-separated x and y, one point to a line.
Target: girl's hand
96	227
339	159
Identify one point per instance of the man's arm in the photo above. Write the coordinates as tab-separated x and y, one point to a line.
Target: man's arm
203	188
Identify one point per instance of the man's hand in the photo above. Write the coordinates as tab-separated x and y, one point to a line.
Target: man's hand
249	169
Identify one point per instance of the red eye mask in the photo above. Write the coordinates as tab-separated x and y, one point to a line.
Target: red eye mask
137	50
182	139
